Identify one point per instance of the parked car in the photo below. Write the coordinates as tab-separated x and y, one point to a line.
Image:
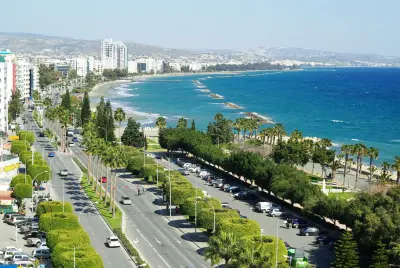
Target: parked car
309	231
51	154
185	172
125	200
64	172
71	144
275	212
263	206
218	183
210	181
7	216
186	165
234	189
14	220
41	253
10	249
326	240
225	187
20	257
246	196
7	255
38	240
103	180
300	223
41	134
225	205
74	139
28	227
113	242
203	173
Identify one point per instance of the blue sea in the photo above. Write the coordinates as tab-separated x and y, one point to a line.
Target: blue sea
346	105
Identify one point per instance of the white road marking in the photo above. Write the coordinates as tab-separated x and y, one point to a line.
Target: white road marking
158	241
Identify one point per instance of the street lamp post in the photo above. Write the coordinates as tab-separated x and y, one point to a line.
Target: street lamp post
277	240
34	179
49	177
214	213
195	213
79	216
170	187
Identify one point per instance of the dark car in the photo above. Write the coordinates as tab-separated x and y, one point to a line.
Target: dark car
323	239
309	231
246	196
41	134
51	154
300	223
75	139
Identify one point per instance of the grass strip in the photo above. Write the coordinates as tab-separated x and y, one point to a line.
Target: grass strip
114	223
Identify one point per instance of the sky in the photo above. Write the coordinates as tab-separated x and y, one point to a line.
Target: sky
354	26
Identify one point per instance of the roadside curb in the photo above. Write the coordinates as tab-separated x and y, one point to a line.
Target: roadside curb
123	218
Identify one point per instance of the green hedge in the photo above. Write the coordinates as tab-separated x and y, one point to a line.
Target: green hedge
35	170
240	227
68	244
188	207
27	135
127	244
205	217
18	146
180	194
60	237
269	247
58	220
53	206
26	157
86	258
20	178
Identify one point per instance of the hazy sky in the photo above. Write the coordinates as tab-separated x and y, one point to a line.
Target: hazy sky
364	26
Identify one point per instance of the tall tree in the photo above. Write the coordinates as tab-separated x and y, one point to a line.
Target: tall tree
72	74
85	111
101	118
66	101
182	123
109	122
373	153
119	116
221	246
346	252
15	106
132	135
220	130
193	126
346	149
380	258
161	122
396	166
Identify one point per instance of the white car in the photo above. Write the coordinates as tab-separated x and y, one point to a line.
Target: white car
125	200
203	173
9	249
113	242
71	144
64	172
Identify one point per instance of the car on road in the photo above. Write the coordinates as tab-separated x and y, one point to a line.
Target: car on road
309	231
225	187
246	196
210	181
75	139
41	134
265	206
113	242
275	212
103	180
51	154
8	215
203	173
218	183
14	220
71	144
125	200
41	253
326	240
185	172
64	172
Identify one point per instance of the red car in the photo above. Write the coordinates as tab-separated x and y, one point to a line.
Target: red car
103	179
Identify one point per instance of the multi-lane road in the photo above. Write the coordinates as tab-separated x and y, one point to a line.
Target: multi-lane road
67	188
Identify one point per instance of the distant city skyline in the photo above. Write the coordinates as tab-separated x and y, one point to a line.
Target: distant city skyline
355	26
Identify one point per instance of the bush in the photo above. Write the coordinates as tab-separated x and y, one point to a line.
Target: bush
205	217
18	146
58	237
53	206
35	170
67	245
181	193
240	227
26	157
135	163
23	190
27	136
188	207
57	220
20	178
269	247
87	258
148	173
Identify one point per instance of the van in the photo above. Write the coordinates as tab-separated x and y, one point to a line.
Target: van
70	133
264	206
14	220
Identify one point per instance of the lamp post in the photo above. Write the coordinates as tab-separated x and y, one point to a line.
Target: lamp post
277	240
34	179
49	176
79	216
170	187
214	213
195	212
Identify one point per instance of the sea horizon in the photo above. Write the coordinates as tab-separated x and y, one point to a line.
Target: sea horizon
346	105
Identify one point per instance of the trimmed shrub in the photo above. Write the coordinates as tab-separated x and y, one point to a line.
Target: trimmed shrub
18	146
22	190
57	220
180	194
59	237
87	258
205	217
189	206
27	135
53	206
239	226
35	170
20	178
67	245
269	247
26	157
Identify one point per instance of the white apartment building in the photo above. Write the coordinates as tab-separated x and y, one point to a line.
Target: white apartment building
150	64
9	64
80	65
113	54
26	77
3	95
95	66
132	67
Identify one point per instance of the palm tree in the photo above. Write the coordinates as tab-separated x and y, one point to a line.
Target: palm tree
396	166
310	147
373	153
119	116
119	160
63	116
263	135
245	126
221	246
325	143
280	131
334	166
182	123
383	178
107	158
251	257
237	125
359	149
346	150
270	133
296	135
161	122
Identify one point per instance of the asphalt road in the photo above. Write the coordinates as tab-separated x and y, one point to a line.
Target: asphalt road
90	220
158	241
319	254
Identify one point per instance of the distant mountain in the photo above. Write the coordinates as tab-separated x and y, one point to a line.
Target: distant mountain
37	43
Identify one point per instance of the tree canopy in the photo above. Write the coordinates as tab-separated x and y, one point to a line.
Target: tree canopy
132	135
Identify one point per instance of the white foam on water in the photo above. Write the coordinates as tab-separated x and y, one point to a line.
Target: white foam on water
355	139
395	141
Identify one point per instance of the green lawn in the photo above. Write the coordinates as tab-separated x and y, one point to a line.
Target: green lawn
345	195
154	146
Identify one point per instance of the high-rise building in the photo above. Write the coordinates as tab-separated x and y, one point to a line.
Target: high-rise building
27	77
10	67
3	94
114	54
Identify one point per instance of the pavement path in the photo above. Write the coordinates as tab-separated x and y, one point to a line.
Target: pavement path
90	220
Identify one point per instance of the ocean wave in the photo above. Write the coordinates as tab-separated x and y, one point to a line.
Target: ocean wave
395	141
355	139
216	103
339	121
240	113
